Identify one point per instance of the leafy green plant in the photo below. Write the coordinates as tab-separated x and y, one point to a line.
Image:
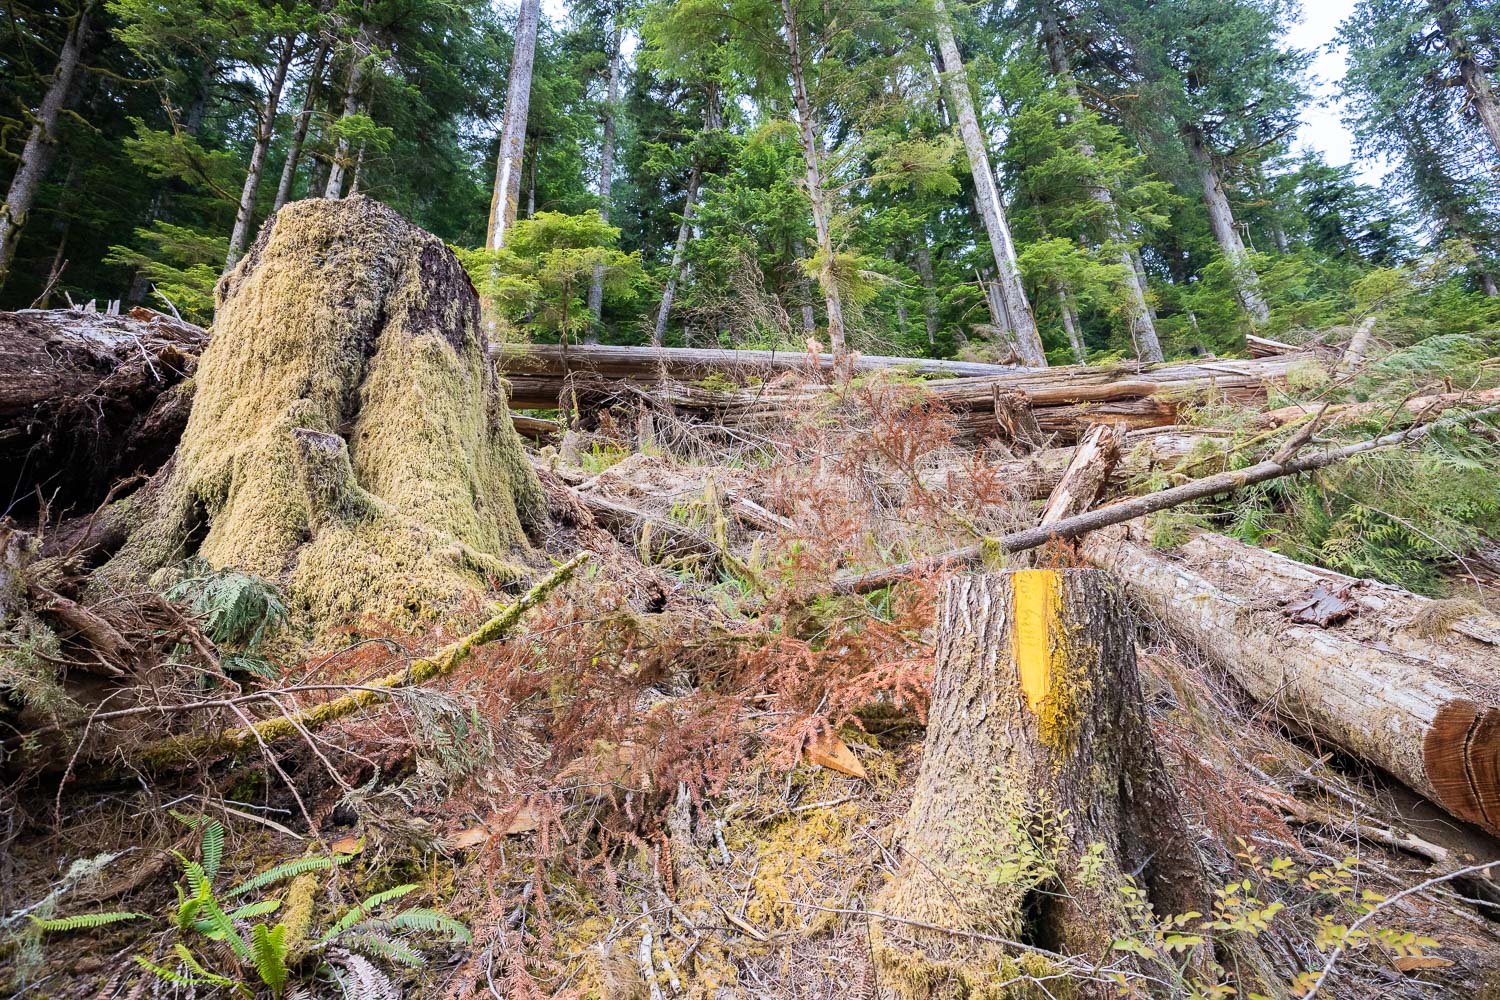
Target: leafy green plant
238	613
217	939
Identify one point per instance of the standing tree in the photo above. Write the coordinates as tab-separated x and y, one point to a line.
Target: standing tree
507	190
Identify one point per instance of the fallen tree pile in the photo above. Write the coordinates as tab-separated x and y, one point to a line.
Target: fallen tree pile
759	675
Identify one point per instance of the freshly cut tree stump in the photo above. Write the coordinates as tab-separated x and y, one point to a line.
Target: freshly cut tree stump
1040	791
349	436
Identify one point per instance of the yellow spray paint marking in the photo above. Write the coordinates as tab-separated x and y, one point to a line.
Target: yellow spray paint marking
1036	603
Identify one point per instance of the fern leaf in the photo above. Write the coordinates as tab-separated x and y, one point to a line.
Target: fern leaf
83	921
213	848
257	909
363	910
289	869
269	947
430	921
384	948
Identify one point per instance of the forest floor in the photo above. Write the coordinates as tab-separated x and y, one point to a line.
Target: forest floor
687	775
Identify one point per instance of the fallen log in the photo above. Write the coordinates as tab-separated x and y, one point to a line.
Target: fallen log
1088	472
1407	684
1135	507
87	398
1415	408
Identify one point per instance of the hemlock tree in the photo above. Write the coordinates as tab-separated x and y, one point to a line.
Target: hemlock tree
507	190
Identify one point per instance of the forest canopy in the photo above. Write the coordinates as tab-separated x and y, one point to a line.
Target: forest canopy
1058	179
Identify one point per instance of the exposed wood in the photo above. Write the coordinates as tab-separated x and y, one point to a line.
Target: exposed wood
1135	507
1359	345
1417	408
1016	421
1265	347
1389	682
87	398
1087	474
1039	756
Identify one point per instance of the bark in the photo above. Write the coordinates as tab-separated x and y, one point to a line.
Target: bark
244	216
41	144
811	154
992	210
505	198
1039	763
86	399
1476	80
1137	507
1138	312
344	324
1397	680
1221	222
607	161
679	254
1016	421
299	132
339	162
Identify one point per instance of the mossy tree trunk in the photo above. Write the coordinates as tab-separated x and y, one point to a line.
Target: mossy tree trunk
349	436
1040	792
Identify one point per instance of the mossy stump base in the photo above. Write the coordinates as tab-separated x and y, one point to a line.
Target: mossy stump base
349	436
1040	793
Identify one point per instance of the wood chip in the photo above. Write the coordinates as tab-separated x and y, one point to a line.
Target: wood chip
833	753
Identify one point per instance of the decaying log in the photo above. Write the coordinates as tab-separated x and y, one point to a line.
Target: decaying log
1407	684
87	398
1418	408
1040	789
1135	507
1088	473
1016	422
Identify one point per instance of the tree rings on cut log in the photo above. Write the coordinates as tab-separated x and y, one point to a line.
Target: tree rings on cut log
1462	756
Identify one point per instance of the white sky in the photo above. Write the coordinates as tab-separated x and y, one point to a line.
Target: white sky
1321	127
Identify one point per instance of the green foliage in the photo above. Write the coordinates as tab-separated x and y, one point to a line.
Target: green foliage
83	921
238	612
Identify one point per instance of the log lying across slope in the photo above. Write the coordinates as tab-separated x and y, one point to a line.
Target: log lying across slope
1064	399
1399	681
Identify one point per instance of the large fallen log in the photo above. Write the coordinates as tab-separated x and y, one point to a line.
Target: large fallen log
87	398
1063	400
1407	684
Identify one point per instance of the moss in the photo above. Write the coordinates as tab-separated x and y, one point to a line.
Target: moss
345	320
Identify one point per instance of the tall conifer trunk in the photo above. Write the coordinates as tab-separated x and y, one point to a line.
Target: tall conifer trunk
827	275
607	157
41	144
1476	81
299	132
339	162
1142	326
506	196
679	254
245	215
991	210
1221	222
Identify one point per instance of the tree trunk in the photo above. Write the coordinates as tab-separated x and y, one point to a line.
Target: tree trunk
827	272
41	144
1138	313
299	132
1088	474
244	216
922	258
1399	681
339	162
607	160
506	196
1476	80
679	254
349	327
1221	221
992	211
1070	325
86	399
1040	790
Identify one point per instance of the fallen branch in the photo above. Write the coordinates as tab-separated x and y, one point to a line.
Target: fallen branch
1135	507
175	750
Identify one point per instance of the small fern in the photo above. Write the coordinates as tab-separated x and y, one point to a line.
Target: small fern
83	921
357	914
268	945
289	869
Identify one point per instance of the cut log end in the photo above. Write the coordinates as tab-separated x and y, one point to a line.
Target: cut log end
1461	754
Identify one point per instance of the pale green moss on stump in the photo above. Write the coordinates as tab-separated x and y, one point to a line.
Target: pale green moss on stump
345	323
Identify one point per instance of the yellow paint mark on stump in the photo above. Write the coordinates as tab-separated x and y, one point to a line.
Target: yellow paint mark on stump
1036	604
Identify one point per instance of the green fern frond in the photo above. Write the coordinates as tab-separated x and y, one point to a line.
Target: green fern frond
213	848
83	921
289	869
358	913
269	947
426	920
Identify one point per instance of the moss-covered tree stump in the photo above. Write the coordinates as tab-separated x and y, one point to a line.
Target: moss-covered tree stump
349	436
1040	793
